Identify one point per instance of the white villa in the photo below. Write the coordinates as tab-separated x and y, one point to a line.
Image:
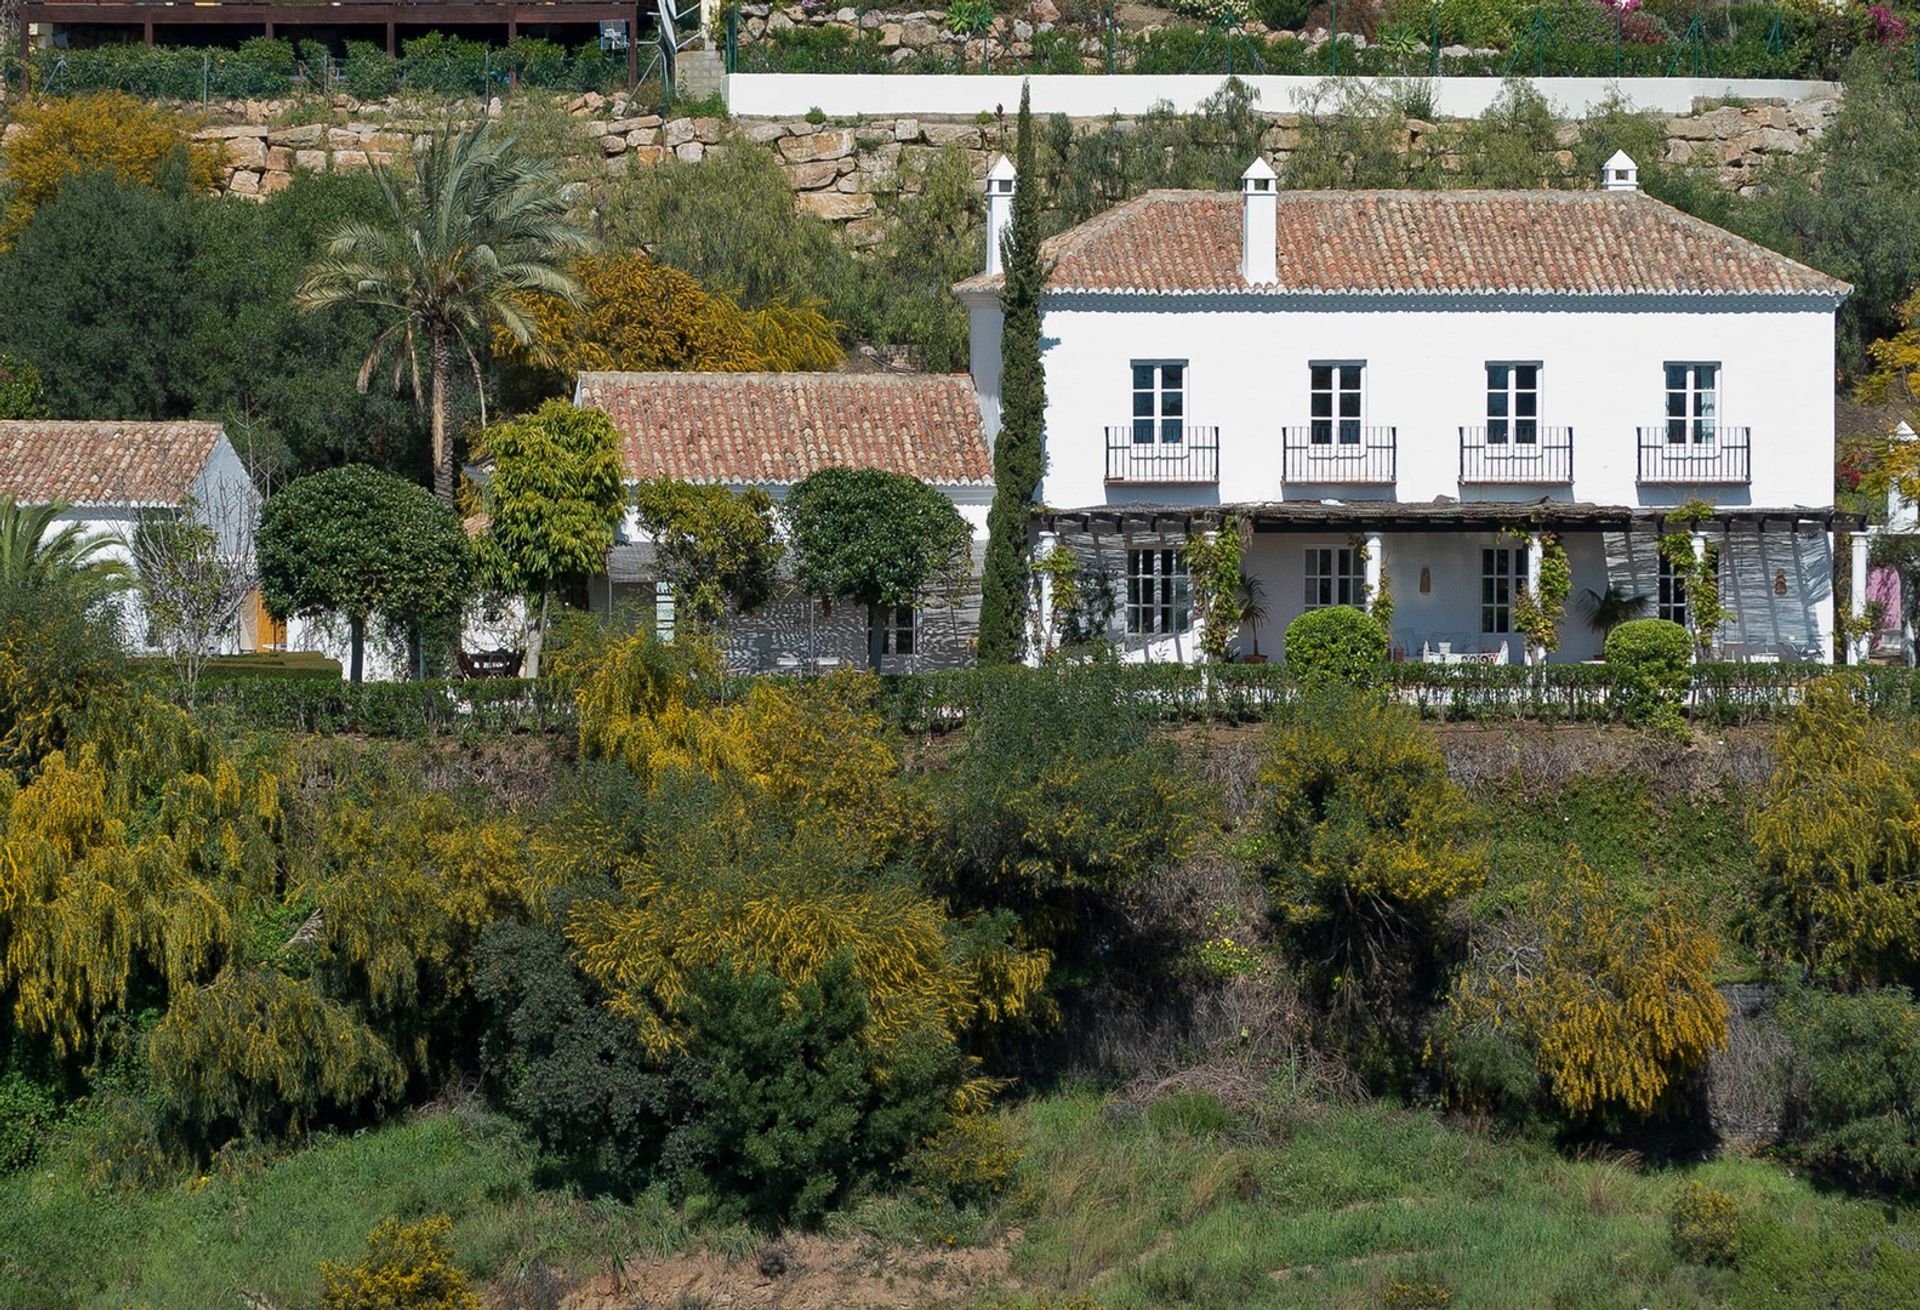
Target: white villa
1410	388
109	475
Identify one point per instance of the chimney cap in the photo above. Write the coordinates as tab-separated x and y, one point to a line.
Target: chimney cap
1620	173
1258	171
1002	168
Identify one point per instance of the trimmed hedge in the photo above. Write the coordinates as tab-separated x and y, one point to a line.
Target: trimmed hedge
261	67
1718	695
1338	645
1651	661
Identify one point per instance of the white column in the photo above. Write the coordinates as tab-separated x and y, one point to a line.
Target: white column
1858	647
1376	567
1536	560
1041	626
1197	630
1699	555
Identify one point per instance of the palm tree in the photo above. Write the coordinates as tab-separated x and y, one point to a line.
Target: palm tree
38	560
1606	610
451	255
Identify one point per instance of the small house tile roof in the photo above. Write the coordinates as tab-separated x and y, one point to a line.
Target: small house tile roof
776	428
1422	242
43	461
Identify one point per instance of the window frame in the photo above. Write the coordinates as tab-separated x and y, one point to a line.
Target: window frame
1160	428
1496	612
1343	566
1159	600
1333	427
1691	426
896	638
1669	592
1507	429
666	609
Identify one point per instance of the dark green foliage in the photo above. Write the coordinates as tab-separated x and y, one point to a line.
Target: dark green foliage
142	303
91	295
935	241
560	1062
1652	657
789	1113
1019	451
1062	797
1853	1090
873	537
1335	646
359	542
369	71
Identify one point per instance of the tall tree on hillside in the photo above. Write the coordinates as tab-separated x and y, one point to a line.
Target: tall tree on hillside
1018	454
453	251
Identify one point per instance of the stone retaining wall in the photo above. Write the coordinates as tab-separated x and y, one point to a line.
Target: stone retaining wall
838	169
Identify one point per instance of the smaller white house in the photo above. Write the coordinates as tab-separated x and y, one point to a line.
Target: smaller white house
111	475
770	430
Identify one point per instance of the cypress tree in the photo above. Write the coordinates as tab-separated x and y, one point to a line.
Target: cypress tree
1018	456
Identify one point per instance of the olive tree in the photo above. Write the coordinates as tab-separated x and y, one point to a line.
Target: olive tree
357	541
875	538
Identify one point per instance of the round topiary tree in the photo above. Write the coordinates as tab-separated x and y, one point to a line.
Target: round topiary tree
359	541
1337	645
873	537
1650	659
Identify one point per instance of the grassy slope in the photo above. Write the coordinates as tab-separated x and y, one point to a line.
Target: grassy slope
1317	1208
1334	1207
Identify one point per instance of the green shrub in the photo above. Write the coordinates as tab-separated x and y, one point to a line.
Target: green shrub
27	1110
1653	659
1338	645
790	1110
1282	15
408	1267
1704	1225
1853	1084
369	72
1062	797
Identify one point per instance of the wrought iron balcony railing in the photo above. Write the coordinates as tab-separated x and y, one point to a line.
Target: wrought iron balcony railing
1339	451
1695	451
1519	451
1143	454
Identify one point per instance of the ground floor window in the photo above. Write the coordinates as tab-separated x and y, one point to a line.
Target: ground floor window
1503	571
1157	592
1671	598
895	626
1335	576
663	610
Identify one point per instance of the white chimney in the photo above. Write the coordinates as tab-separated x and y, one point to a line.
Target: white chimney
1259	223
1000	180
1620	173
1902	514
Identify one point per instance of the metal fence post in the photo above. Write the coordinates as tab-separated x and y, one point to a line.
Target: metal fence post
206	76
733	41
1617	18
1106	16
1333	36
1433	43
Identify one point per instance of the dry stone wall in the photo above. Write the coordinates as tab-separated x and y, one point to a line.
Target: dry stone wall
841	170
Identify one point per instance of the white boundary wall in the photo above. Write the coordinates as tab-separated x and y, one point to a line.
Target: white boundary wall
849	95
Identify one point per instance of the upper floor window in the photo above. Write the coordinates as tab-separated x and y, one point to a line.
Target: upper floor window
895	628
1335	576
1337	408
1159	400
1157	600
1693	402
1513	403
1672	596
1503	571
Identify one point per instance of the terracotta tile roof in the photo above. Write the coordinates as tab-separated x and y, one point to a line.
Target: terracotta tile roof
1423	242
773	428
46	460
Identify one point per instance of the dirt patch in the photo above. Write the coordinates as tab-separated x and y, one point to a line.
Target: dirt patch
803	1273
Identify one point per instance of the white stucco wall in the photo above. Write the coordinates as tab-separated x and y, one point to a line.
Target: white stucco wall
779	95
1602	375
